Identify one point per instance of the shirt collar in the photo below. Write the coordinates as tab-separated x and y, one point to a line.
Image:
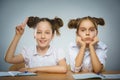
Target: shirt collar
49	52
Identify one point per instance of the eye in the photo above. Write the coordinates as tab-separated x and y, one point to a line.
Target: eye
82	30
92	29
39	32
47	32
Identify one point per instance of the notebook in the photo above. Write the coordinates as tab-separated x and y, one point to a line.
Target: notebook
17	73
95	76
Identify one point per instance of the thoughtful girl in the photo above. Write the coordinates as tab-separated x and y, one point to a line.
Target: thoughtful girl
87	54
43	57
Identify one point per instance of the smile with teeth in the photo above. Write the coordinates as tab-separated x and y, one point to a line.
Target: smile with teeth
42	41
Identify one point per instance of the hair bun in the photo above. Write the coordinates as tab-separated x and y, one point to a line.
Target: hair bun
32	21
58	22
99	21
73	23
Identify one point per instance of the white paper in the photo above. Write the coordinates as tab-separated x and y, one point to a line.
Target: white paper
93	75
112	76
17	73
86	76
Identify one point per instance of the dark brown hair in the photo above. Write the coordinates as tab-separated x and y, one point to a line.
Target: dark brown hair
75	23
56	23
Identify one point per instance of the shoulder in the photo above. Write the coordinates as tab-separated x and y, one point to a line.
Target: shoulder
73	49
28	50
73	45
57	52
101	45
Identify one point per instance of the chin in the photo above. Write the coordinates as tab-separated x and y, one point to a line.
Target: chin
42	45
88	42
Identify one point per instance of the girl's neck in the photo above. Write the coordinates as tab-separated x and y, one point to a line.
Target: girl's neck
42	50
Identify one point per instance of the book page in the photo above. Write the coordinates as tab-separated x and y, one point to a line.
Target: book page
111	76
4	74
17	73
86	76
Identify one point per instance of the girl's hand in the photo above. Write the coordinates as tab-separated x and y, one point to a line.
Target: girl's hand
95	41
80	41
23	69
20	28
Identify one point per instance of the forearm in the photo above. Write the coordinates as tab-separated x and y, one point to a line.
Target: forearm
51	69
80	56
11	50
97	66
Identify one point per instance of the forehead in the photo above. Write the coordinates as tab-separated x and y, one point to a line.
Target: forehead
86	24
44	25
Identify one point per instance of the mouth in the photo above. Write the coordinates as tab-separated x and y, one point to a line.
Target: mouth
88	39
42	41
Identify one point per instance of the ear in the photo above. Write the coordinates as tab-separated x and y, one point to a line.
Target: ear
96	32
77	34
35	34
53	36
34	37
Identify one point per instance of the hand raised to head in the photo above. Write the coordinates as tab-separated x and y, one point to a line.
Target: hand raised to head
95	41
79	41
20	28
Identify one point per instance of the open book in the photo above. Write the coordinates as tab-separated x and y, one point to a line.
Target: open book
17	73
96	76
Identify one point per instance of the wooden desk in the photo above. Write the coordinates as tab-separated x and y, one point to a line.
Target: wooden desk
49	76
42	76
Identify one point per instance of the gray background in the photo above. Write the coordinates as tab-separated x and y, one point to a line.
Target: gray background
13	12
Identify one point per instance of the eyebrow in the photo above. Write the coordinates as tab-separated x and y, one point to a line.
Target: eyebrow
92	28
82	28
85	28
45	30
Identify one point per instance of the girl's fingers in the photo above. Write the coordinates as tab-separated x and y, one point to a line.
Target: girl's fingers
24	23
96	38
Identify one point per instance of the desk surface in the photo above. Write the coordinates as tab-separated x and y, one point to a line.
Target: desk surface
49	76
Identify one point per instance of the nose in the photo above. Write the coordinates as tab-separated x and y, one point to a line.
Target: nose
43	35
87	33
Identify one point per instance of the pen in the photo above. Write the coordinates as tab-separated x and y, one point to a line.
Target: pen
21	73
25	71
101	75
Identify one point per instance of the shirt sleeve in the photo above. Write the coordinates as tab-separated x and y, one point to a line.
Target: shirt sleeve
25	55
101	53
23	52
73	51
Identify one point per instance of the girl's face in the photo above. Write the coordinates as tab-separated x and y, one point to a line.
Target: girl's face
87	31
43	34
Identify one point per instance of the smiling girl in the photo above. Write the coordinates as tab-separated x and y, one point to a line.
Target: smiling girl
44	57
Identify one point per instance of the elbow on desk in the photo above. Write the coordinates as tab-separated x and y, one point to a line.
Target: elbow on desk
64	70
8	60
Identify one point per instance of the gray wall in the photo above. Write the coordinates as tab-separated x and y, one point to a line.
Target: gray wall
13	12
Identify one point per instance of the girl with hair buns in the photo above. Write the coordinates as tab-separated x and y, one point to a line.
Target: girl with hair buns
87	54
42	58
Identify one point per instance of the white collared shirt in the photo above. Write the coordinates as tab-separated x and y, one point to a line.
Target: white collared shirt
33	59
100	49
